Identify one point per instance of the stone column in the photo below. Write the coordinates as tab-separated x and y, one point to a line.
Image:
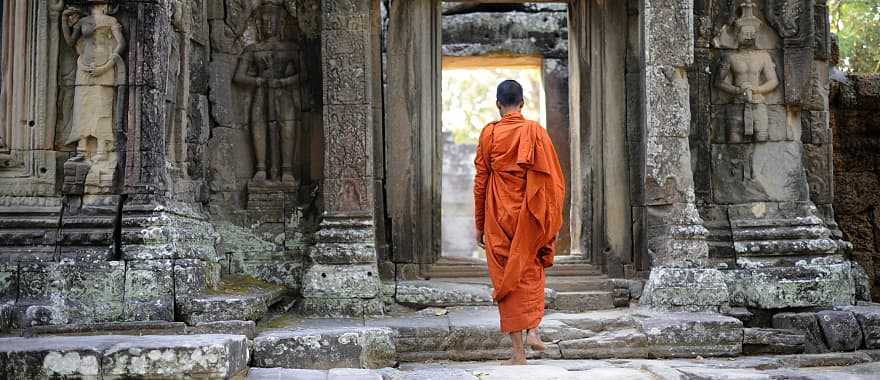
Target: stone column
343	279
675	236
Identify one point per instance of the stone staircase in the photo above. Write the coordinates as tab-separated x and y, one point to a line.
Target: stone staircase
291	346
575	285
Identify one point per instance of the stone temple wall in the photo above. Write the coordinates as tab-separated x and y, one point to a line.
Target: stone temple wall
103	177
855	101
265	225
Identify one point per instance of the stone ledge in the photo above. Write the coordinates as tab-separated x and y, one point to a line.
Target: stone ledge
117	356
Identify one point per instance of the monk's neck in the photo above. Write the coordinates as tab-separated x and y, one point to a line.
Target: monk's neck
513	114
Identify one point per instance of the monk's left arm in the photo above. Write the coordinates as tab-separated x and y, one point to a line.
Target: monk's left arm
481	180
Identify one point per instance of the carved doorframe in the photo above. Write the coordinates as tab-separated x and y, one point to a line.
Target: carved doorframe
27	157
602	174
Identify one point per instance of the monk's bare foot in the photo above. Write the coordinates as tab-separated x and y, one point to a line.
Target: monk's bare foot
534	341
516	360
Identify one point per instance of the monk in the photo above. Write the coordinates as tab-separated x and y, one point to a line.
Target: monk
518	192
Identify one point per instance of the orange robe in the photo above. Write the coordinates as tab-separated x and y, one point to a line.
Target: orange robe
519	189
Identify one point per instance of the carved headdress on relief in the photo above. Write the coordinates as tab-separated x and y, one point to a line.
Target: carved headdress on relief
744	17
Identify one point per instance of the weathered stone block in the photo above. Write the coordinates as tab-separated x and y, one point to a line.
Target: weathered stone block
223	308
806	324
869	321
584	301
625	343
841	329
191	277
53	357
341	281
761	341
668	32
326	348
473	334
246	328
441	294
803	285
667	86
689	334
418	337
93	292
341	307
211	356
42	315
770	171
683	289
8	282
149	291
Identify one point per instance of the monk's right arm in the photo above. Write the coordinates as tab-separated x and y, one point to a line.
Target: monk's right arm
480	184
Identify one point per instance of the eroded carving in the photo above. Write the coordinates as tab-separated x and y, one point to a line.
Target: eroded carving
100	71
270	68
749	75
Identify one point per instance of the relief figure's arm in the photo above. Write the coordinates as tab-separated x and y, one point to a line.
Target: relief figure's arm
725	80
242	75
291	75
116	56
71	34
769	71
120	40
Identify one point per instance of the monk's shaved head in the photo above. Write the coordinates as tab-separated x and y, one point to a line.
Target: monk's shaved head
509	94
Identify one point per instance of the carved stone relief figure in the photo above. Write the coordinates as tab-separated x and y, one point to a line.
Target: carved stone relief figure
98	40
748	74
270	68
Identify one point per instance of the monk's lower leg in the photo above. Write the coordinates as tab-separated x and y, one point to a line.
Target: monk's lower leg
519	350
533	339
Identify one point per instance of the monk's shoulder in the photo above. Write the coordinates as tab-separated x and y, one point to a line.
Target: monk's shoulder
484	133
536	129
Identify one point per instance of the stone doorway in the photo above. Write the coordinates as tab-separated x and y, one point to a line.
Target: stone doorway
603	132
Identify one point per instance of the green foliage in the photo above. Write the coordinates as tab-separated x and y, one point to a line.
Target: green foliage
857	26
469	98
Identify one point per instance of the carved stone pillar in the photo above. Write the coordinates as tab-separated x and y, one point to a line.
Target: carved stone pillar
675	236
344	279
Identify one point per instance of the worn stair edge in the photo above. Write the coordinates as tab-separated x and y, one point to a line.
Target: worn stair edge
250	304
584	301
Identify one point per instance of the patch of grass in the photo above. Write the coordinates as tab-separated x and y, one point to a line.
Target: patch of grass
277	322
237	284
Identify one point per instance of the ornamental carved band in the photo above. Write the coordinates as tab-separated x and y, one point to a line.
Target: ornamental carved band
345	44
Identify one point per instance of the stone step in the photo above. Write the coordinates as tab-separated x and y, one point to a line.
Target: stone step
325	348
584	301
235	300
119	356
458	267
472	334
579	284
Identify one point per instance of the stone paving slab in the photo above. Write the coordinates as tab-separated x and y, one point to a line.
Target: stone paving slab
312	374
808	367
118	356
